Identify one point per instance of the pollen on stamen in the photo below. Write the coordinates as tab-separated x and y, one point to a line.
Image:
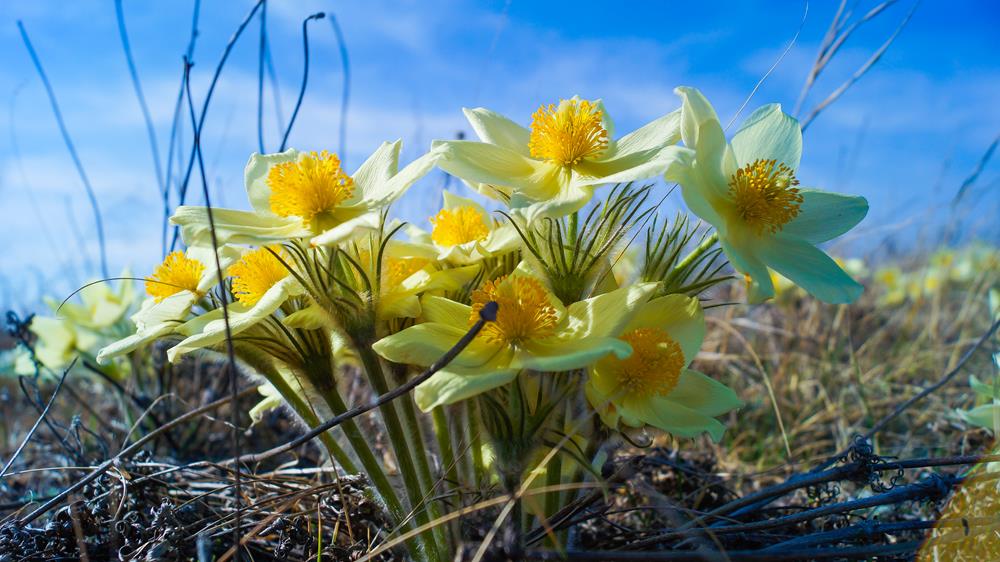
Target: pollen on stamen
525	310
765	195
177	273
313	185
655	366
567	133
256	272
397	270
458	225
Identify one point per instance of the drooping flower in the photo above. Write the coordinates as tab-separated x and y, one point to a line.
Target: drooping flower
174	287
307	195
533	330
552	167
747	189
654	386
463	232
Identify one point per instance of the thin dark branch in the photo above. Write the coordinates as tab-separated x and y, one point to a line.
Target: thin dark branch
305	77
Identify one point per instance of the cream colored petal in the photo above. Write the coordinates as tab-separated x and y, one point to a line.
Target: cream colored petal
445	311
449	386
496	129
255	178
824	215
704	394
378	168
424	344
348	230
607	314
810	268
490	164
680	316
235	227
382	194
769	134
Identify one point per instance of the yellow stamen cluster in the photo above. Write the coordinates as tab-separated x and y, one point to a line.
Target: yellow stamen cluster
655	364
397	270
526	311
311	186
458	226
256	272
567	133
765	195
177	273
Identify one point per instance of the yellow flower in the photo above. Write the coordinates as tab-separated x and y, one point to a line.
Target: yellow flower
256	272
551	169
465	233
533	330
747	189
307	195
653	386
173	291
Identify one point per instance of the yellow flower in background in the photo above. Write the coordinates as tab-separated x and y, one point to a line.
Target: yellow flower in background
100	306
173	290
57	343
533	331
654	386
552	167
464	232
307	195
747	189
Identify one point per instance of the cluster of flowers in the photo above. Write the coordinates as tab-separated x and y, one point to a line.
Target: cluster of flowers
319	281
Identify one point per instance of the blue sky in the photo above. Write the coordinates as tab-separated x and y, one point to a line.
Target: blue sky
905	136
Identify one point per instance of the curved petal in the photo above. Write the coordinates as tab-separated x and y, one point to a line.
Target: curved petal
652	136
810	268
568	200
824	215
235	227
425	343
609	313
445	311
348	230
255	178
378	168
680	316
629	167
563	355
496	129
386	192
449	386
704	394
739	250
490	164
672	417
769	134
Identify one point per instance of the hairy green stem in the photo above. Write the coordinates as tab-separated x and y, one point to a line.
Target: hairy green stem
443	433
696	253
553	472
475	442
397	438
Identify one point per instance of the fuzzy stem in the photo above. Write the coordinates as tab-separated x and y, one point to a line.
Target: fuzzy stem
397	437
475	443
553	473
697	252
448	461
309	417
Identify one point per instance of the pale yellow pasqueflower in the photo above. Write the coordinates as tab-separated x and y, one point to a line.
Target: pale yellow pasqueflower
307	195
551	168
533	331
654	386
58	341
100	306
463	232
747	189
176	285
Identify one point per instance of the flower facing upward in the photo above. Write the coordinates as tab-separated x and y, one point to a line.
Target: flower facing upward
312	186
255	273
526	312
177	273
567	133
765	195
458	226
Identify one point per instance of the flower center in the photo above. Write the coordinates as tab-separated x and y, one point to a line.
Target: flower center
256	272
311	186
177	273
765	195
525	312
458	226
567	133
655	364
397	270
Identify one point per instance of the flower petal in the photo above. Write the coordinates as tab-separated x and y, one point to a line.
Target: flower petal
449	386
680	316
480	162
556	355
824	215
445	311
652	136
348	230
629	167
255	178
496	129
235	227
810	268
740	251
769	134
704	394
388	191
608	313
672	417
425	343
378	168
